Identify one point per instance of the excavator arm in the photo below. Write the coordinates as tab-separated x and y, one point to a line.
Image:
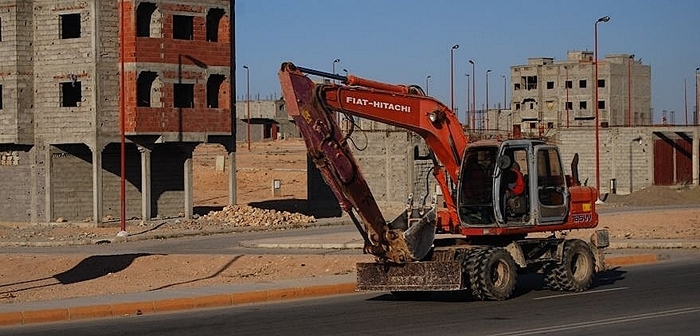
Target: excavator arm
313	108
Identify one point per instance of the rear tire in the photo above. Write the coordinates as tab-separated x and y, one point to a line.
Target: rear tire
575	272
492	274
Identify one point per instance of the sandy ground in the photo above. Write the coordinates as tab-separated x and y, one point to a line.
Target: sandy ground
25	277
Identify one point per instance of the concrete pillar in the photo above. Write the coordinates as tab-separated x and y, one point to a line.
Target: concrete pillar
189	198
96	185
47	184
694	156
34	202
146	210
232	186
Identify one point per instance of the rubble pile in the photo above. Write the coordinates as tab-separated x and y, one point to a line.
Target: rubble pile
244	215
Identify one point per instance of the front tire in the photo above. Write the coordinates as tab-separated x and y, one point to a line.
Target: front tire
492	274
575	272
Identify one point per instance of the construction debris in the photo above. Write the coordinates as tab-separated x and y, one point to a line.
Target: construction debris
244	215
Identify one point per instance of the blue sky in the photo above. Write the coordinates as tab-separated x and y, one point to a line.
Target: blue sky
404	41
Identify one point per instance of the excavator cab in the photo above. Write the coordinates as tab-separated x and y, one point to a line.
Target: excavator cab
510	184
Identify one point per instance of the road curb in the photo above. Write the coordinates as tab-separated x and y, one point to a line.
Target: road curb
216	300
632	259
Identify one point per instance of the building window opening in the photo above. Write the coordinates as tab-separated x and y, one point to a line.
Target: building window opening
184	95
569	105
0	29
550	125
71	94
144	14
582	105
516	86
70	26
531	83
144	86
533	125
601	83
517	106
1	97
582	84
267	131
550	85
213	20
569	84
214	90
183	27
601	104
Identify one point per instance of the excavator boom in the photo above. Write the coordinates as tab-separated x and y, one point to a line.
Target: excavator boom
331	154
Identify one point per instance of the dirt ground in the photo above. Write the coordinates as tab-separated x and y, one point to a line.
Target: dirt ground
25	277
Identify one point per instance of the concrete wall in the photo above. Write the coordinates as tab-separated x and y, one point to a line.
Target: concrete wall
16	165
385	156
626	155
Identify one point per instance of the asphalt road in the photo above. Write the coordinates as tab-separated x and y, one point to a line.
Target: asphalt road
657	299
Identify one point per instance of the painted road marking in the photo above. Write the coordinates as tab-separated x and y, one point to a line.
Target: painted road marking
581	293
614	320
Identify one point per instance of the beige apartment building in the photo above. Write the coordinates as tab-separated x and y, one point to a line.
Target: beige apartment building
549	94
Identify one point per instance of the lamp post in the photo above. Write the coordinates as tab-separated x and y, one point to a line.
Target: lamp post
629	90
685	99
427	84
452	72
505	90
597	117
467	110
486	111
247	80
697	113
473	96
334	62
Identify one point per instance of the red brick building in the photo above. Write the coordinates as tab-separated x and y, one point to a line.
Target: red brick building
62	98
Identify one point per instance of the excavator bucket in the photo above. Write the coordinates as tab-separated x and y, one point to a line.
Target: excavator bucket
419	231
413	276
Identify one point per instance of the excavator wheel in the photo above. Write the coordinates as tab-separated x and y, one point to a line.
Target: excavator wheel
492	274
575	272
550	276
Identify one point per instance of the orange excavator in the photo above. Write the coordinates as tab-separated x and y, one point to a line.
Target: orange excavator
482	232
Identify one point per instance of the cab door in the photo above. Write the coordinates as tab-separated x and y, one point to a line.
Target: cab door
552	197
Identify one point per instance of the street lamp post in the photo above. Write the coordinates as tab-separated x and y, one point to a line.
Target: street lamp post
452	72
247	80
467	110
505	90
685	99
473	96
597	116
697	108
427	84
486	111
337	60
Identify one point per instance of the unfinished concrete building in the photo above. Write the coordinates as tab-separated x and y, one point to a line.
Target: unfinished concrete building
62	102
548	94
